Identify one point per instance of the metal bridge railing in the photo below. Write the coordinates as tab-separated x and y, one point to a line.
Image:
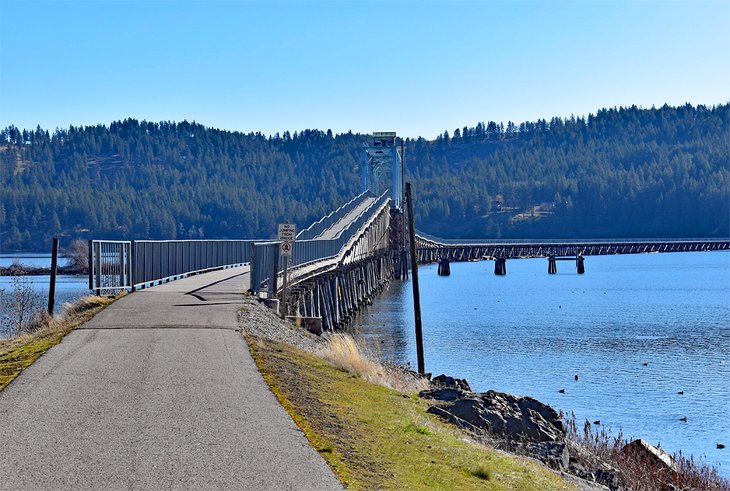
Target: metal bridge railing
305	252
116	265
265	267
314	230
110	266
163	260
428	240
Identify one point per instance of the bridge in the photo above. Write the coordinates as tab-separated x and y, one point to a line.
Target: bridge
339	263
433	249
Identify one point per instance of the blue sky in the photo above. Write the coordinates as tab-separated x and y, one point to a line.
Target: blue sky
414	67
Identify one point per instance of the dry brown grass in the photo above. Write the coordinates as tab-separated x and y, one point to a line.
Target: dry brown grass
343	352
636	471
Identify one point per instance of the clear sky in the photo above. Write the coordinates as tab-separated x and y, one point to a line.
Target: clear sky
414	67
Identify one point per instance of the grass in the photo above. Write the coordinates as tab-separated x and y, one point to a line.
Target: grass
376	437
343	353
20	352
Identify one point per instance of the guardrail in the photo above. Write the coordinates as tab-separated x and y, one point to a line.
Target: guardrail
314	230
305	252
116	265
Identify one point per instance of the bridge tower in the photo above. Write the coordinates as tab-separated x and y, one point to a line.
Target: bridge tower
384	160
382	168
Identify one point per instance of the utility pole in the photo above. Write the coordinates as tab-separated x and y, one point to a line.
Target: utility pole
414	276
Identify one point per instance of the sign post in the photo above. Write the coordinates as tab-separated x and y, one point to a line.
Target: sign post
287	235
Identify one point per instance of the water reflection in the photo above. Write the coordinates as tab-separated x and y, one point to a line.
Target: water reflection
530	333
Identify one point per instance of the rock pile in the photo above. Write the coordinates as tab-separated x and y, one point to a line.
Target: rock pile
524	425
523	422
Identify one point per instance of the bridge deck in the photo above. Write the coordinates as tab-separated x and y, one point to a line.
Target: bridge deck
157	391
335	229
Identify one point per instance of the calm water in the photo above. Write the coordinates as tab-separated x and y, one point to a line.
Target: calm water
529	333
68	288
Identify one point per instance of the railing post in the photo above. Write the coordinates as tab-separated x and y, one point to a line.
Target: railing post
122	265
91	264
132	265
97	267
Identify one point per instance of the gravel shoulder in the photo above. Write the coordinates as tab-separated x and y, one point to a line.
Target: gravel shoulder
255	319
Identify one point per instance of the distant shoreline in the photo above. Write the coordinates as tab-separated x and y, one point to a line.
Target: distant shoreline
24	270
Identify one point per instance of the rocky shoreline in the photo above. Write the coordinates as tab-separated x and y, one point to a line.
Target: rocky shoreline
519	425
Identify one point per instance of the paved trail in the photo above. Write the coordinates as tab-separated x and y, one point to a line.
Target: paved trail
158	391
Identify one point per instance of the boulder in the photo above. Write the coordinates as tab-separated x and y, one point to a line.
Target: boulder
523	422
443	394
510	417
455	383
554	454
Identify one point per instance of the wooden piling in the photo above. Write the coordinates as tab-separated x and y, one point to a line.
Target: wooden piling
444	268
414	273
52	287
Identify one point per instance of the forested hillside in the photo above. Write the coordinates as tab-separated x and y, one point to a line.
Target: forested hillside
619	173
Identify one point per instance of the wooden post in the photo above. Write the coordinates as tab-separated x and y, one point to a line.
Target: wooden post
274	270
52	289
284	292
414	274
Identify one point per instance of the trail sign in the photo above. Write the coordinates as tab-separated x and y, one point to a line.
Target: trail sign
287	235
287	232
285	249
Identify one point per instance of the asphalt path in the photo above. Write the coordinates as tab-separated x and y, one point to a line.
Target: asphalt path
158	391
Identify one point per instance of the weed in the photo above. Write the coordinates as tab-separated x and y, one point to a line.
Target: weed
343	353
481	472
414	428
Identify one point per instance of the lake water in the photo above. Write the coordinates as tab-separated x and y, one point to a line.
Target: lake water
530	333
68	288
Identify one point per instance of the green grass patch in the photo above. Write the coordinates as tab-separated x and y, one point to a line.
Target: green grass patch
374	437
18	353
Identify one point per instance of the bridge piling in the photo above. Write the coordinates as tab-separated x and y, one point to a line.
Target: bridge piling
500	266
444	268
552	265
579	265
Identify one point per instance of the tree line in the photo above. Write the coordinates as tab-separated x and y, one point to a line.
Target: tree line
622	172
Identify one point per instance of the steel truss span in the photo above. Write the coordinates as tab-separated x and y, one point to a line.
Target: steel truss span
430	250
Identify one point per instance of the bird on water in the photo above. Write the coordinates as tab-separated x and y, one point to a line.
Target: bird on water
576	377
562	391
683	418
681	392
720	446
